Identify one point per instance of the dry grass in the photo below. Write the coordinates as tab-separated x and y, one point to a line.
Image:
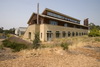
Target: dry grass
50	57
83	52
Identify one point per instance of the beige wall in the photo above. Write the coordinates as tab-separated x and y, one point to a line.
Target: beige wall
43	28
33	29
54	28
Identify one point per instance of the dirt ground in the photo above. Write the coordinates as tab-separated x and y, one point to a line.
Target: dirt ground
80	56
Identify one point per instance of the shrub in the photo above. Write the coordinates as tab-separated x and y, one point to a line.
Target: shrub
64	46
14	45
6	43
1	46
36	41
94	32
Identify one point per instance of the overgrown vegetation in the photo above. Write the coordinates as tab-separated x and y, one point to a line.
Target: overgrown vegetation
13	45
1	46
64	46
6	33
10	31
94	30
36	41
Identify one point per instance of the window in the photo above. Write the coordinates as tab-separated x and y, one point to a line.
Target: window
73	34
76	34
62	17
80	34
64	34
57	34
49	31
29	35
65	24
41	35
49	35
69	34
53	22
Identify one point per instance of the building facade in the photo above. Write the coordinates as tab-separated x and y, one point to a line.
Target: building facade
20	31
53	24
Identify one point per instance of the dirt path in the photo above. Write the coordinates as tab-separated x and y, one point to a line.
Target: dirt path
6	53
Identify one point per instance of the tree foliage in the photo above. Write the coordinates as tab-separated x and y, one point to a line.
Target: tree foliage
94	30
36	41
9	31
14	45
1	30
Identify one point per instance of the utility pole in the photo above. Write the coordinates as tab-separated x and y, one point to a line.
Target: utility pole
37	13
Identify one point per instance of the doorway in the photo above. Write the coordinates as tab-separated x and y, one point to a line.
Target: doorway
49	35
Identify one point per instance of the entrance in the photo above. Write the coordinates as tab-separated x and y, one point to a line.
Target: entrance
49	36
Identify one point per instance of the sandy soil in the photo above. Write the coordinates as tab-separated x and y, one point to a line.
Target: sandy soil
82	56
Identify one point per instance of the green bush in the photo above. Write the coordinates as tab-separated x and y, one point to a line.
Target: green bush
94	32
7	43
36	41
13	45
64	46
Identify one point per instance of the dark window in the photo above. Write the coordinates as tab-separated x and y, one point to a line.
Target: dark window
64	34
53	22
69	34
65	24
41	35
57	34
73	34
80	34
49	32
29	35
76	34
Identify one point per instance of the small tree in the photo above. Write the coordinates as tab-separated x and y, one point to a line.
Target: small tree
65	46
94	32
36	41
1	30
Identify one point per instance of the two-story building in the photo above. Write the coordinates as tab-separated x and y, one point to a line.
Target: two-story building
53	24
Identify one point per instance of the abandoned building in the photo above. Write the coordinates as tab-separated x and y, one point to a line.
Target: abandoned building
53	24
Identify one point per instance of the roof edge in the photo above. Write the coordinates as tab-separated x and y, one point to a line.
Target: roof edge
47	9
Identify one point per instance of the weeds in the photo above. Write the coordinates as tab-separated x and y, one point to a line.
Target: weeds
36	41
13	45
1	46
64	46
97	39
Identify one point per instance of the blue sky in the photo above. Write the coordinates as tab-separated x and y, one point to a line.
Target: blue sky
16	13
